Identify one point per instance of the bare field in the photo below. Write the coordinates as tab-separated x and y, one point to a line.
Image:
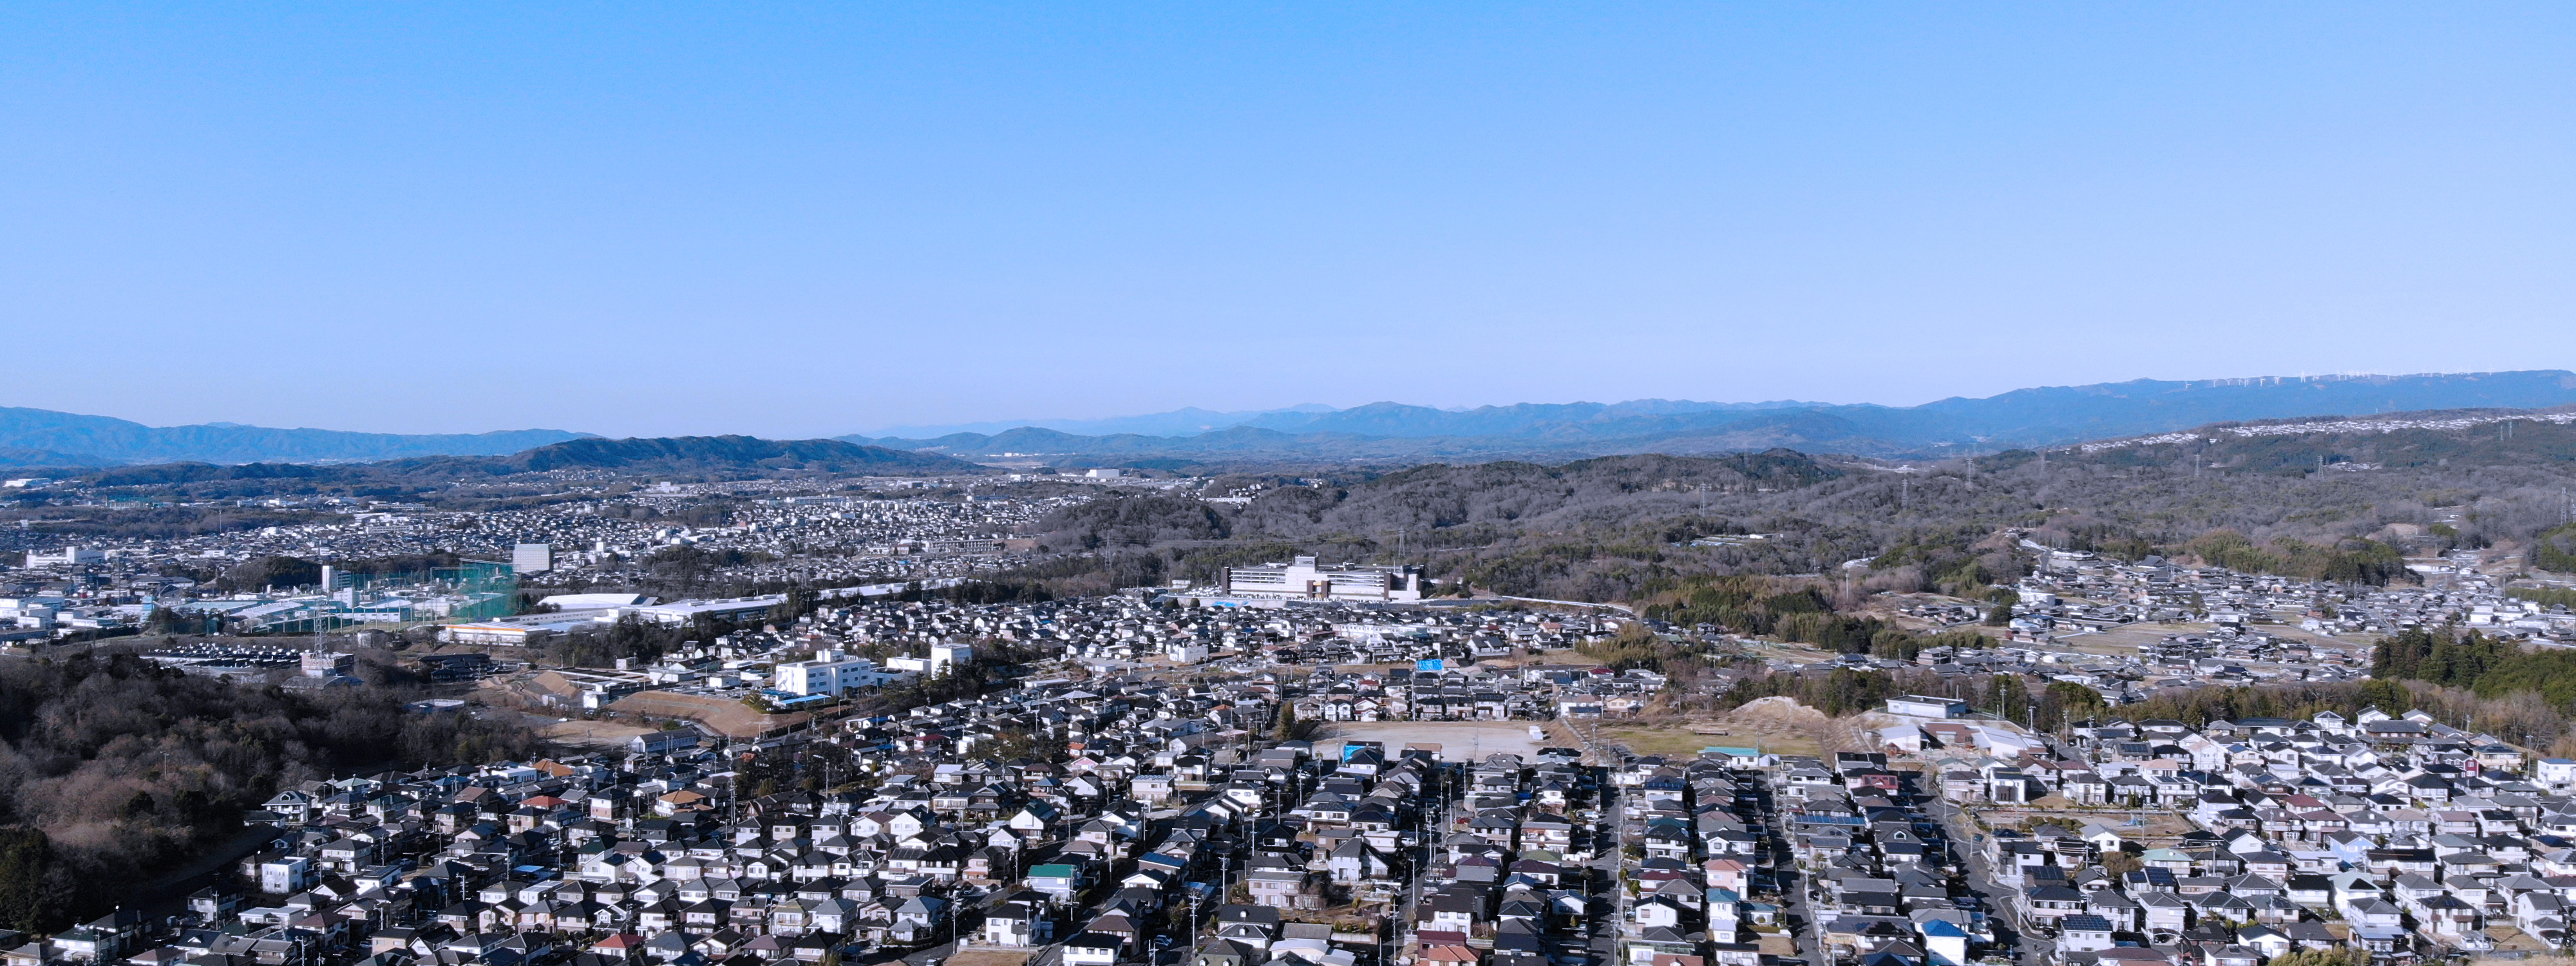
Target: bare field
729	718
1660	741
591	734
1458	740
2129	637
987	957
1777	725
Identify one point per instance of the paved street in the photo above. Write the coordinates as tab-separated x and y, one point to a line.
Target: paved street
1805	929
1606	866
2003	903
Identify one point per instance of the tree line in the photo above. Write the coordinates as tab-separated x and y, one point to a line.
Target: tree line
2489	667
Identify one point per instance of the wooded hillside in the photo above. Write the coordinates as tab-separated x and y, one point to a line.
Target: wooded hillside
1617	528
114	768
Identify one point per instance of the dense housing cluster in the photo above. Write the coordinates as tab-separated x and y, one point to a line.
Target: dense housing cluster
2237	841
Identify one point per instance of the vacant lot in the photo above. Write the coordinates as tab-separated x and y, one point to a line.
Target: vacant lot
1458	740
1660	741
729	718
590	734
1777	725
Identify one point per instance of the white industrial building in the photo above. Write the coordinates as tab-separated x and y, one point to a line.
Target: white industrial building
941	658
831	672
31	612
1303	578
737	609
65	557
1926	706
573	602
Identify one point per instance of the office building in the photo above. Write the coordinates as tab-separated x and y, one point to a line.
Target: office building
1303	578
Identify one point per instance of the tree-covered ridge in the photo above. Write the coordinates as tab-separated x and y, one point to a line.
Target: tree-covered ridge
2491	667
2351	560
1619	528
2555	549
2545	596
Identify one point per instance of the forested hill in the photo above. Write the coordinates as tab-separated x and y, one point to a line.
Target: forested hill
729	452
2478	437
1440	501
113	770
1426	499
684	455
1618	528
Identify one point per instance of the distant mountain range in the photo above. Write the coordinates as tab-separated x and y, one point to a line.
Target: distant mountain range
42	437
2026	417
1385	431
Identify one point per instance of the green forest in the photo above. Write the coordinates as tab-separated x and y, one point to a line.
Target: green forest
2489	667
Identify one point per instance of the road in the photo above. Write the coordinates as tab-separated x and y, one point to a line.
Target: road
1807	926
1607	865
1434	827
2003	905
1805	929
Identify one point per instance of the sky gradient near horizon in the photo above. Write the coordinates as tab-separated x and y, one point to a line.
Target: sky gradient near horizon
805	221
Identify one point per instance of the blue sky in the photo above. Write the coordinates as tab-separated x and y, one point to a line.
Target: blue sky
660	219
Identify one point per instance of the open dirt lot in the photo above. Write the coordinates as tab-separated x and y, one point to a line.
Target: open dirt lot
1777	725
1660	741
1458	740
729	718
987	957
591	734
2127	638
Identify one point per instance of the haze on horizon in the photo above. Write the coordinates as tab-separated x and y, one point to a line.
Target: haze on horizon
801	222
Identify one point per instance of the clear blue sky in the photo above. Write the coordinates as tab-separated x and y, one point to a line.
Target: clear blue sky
650	219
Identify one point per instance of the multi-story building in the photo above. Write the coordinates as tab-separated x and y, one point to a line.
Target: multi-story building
1304	578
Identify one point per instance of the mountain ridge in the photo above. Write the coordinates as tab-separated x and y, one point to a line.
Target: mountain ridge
1392	431
2036	416
53	437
